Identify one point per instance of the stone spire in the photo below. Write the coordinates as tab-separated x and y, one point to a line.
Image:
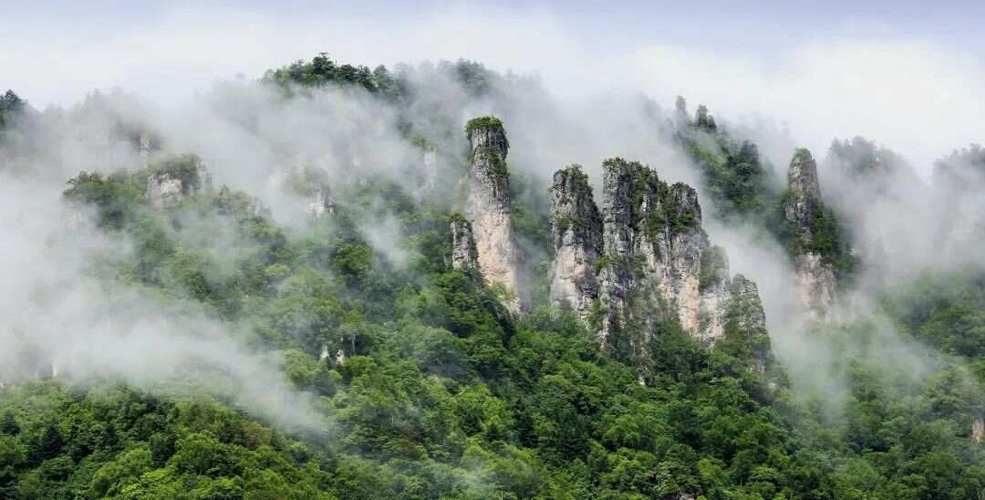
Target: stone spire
489	208
654	262
805	192
815	278
576	230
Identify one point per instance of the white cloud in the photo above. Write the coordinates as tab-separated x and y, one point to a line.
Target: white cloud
919	98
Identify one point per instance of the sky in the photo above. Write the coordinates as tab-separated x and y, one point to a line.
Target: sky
907	74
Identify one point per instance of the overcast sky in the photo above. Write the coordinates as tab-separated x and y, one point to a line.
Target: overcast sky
908	74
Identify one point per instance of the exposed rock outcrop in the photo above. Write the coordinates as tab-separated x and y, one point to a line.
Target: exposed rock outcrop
576	230
815	278
171	180
319	203
464	256
978	430
165	190
653	253
489	209
644	259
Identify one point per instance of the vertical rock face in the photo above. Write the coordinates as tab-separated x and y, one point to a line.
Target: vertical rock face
165	190
815	280
490	209
464	256
658	264
978	430
576	230
172	180
616	277
320	203
653	245
805	192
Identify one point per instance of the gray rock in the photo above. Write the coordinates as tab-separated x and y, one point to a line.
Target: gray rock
576	230
464	256
814	279
172	180
489	208
320	203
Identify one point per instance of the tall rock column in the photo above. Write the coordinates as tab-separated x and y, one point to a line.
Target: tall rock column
616	277
657	263
490	208
576	230
815	279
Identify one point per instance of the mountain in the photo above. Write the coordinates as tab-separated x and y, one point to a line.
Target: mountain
377	290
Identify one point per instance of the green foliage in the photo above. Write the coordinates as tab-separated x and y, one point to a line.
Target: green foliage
714	267
116	197
440	393
734	176
483	122
115	442
742	189
186	168
11	105
322	70
946	311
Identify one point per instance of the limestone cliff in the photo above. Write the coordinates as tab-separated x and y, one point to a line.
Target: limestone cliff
489	209
653	247
815	278
319	203
576	230
643	260
171	180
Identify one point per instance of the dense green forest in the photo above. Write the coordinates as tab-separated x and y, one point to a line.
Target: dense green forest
441	393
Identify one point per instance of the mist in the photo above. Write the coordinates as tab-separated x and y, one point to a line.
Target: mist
253	139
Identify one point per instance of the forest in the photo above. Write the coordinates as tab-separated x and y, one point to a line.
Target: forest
410	378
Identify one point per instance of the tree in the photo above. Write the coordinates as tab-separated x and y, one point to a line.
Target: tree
8	424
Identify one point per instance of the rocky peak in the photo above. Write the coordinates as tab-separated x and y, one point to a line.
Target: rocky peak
805	191
643	219
619	179
464	256
576	230
653	259
489	208
489	147
815	278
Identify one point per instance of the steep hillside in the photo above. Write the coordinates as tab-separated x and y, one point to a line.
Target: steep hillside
459	324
